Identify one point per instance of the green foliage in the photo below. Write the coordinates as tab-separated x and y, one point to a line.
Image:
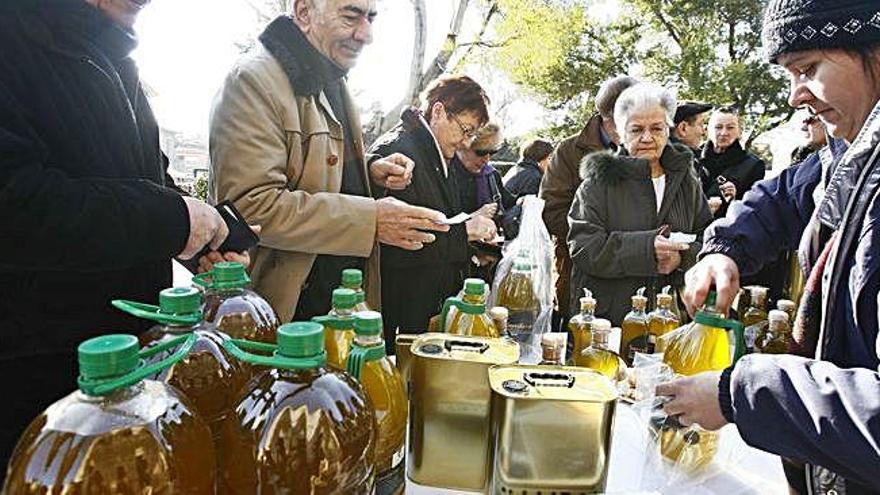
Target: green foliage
200	187
708	49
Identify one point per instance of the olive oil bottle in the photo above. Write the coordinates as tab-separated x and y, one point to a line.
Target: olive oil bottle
468	312
635	336
579	324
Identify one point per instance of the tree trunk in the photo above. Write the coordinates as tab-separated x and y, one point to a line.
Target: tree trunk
419	78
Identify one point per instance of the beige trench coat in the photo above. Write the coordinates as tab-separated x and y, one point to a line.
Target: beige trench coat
278	156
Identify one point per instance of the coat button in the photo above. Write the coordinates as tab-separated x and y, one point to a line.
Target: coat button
332	160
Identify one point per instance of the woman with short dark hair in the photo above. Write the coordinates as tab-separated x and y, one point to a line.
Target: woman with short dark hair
415	283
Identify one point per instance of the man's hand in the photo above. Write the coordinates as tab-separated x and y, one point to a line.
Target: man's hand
206	226
715	270
402	225
206	262
480	228
694	400
728	191
488	210
668	254
715	203
392	172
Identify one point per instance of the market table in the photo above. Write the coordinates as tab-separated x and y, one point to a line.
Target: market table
737	470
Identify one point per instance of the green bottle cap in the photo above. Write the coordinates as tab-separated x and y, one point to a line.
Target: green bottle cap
229	274
344	298
108	356
180	301
352	278
368	323
301	339
474	287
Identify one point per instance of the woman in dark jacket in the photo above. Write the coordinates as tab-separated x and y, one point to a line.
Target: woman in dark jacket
415	283
628	201
726	169
821	409
525	177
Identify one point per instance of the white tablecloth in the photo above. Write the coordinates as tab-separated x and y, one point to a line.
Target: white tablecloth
737	470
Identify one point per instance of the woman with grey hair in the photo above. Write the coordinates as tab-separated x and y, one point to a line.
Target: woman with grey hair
628	203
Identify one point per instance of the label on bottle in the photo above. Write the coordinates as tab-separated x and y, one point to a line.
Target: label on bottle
520	325
392	481
642	343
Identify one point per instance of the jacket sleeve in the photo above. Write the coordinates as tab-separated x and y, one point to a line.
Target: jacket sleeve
507	199
770	218
557	190
252	149
603	253
811	411
53	221
702	218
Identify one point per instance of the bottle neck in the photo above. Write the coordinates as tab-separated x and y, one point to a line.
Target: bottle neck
474	299
600	339
342	312
178	329
588	311
369	340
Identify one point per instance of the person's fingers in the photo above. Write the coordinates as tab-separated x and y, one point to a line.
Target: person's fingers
685	419
219	234
256	229
725	287
214	257
666	389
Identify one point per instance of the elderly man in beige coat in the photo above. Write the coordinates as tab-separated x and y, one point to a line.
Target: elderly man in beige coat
286	148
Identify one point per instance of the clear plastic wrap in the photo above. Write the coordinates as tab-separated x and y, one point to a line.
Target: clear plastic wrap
524	282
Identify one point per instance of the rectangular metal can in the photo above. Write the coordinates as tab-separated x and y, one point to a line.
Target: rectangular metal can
551	429
449	413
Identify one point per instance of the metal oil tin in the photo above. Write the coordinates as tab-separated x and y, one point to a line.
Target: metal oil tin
551	429
449	413
403	354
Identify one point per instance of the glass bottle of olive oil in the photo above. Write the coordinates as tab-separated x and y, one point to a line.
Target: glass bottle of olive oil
635	336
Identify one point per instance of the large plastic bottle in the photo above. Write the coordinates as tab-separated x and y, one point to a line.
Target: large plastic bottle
384	385
339	326
702	345
517	293
233	308
300	427
119	433
353	279
208	376
466	315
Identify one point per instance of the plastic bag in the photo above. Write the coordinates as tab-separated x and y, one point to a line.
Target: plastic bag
524	282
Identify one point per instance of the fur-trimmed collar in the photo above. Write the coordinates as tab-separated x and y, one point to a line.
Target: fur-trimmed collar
611	168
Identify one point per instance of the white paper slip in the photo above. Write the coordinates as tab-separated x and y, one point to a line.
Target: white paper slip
457	219
682	237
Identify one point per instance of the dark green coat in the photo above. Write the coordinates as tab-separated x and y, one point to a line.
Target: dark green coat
614	220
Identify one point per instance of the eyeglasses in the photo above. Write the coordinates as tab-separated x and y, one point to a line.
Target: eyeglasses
654	132
484	153
468	132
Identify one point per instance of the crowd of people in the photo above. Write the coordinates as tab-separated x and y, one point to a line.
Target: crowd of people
91	214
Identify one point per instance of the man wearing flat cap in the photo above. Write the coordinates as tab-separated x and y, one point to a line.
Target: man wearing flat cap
689	124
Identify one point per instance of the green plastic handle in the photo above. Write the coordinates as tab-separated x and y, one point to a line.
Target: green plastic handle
153	313
201	280
360	356
449	303
739	338
237	347
334	322
105	386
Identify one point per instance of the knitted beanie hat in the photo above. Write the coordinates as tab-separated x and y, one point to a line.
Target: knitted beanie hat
797	25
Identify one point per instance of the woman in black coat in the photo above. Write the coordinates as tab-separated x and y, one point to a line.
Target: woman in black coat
415	283
627	202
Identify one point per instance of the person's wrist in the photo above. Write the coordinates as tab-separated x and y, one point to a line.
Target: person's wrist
725	397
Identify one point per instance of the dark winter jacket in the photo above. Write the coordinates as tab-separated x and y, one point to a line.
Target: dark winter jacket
735	164
82	180
822	411
415	283
467	188
87	214
614	221
524	178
